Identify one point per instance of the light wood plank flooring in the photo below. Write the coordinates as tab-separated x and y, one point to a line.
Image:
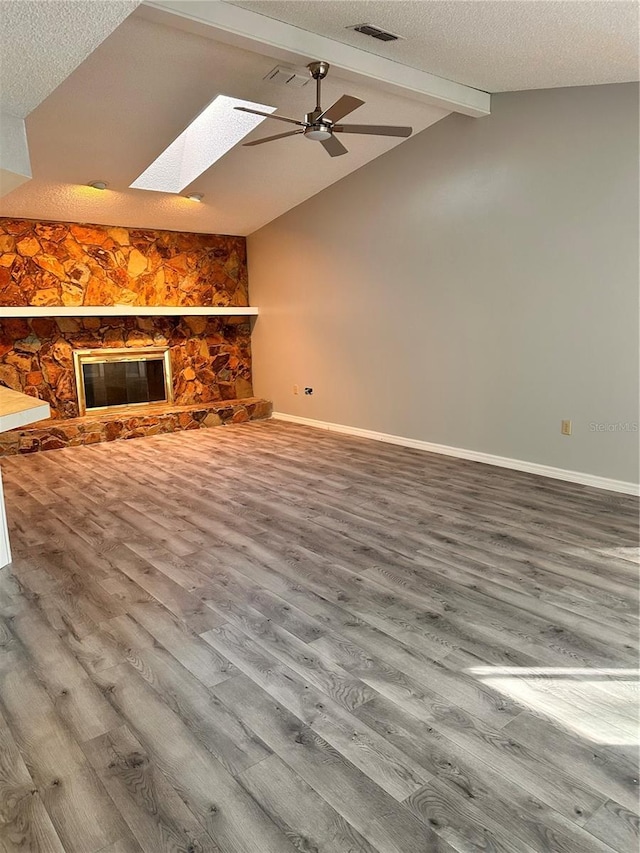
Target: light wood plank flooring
266	638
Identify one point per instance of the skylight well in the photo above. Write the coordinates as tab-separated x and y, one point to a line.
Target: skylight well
209	136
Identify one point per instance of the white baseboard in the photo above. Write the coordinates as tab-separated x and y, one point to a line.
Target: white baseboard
473	455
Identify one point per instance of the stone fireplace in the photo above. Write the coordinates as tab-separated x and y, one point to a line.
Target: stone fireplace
205	359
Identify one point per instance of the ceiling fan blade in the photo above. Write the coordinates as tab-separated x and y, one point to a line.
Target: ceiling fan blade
271	138
270	115
375	129
342	107
334	146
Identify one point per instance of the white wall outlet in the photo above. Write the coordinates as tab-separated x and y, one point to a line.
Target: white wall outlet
565	427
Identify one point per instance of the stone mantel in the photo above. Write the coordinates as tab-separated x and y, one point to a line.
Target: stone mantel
128	311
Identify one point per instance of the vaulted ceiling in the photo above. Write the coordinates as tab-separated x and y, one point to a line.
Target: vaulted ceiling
41	43
157	70
138	90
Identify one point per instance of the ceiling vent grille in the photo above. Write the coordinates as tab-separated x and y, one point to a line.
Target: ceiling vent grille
288	77
374	32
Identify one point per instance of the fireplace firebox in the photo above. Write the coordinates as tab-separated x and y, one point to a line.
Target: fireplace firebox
128	378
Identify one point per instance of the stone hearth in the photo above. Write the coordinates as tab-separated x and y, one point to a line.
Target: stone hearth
57	433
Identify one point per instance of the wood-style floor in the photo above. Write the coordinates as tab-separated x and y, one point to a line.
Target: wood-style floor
266	639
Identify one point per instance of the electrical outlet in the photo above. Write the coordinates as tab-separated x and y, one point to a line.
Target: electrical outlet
565	427
308	391
296	389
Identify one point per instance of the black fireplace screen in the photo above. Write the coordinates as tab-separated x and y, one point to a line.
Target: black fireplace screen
122	383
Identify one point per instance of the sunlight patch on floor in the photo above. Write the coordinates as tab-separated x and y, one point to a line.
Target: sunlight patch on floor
622	553
600	704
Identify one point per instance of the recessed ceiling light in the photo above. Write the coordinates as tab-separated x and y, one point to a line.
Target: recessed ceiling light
195	196
99	185
209	136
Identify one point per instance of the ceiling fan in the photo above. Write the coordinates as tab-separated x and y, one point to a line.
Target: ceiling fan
320	125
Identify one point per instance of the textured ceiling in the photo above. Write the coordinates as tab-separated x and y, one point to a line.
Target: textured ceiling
42	41
138	90
494	45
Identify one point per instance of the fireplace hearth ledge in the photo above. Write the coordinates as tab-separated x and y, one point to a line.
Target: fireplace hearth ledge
57	433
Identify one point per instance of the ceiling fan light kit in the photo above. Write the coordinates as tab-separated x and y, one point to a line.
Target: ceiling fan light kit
318	133
320	125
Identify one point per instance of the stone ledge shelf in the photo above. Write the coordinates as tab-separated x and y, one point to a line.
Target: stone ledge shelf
16	411
28	311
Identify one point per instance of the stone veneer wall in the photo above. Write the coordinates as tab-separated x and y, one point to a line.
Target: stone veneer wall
65	264
210	356
58	263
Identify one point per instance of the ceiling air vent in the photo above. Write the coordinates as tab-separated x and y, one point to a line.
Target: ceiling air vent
374	32
288	77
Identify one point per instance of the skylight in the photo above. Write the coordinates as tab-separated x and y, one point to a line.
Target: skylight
209	136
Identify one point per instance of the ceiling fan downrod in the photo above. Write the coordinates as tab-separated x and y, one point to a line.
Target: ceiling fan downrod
318	71
317	129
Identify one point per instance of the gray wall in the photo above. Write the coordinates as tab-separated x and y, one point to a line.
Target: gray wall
472	287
